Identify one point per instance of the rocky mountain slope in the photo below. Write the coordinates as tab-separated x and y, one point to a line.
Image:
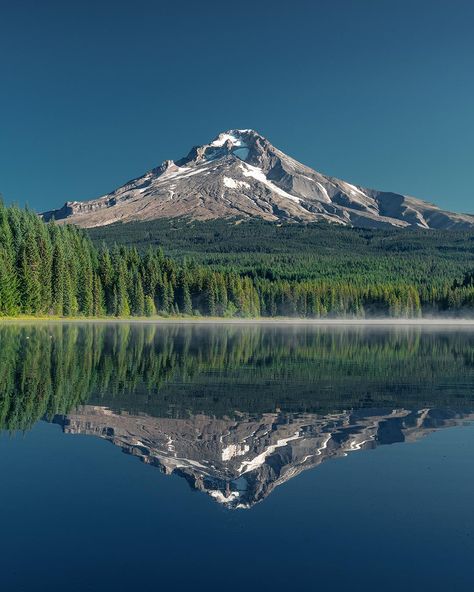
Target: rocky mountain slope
238	462
240	174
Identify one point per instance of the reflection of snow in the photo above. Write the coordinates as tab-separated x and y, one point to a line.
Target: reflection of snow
169	444
220	497
258	461
355	445
234	450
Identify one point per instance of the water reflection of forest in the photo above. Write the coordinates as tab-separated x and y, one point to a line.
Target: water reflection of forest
175	370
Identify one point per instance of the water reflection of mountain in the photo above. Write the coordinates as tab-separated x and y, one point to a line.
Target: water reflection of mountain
239	461
236	410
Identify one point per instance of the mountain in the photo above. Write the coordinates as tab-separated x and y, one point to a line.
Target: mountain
239	462
240	174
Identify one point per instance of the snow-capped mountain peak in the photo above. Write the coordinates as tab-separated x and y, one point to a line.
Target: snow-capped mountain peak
241	174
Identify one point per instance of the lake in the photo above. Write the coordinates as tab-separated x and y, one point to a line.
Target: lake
201	457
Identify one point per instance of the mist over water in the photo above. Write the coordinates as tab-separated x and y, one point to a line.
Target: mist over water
334	427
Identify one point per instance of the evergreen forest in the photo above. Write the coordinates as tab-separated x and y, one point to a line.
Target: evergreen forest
230	269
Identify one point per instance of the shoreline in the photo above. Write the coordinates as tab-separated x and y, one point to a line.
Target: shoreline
285	321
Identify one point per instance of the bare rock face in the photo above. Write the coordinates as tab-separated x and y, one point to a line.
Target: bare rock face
239	461
241	174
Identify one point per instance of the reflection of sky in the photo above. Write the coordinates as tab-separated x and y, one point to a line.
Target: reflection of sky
111	522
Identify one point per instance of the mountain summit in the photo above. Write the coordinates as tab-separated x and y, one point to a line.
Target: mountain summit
241	174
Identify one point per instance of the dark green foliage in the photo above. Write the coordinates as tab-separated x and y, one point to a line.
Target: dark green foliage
58	272
295	252
30	277
51	269
313	270
247	270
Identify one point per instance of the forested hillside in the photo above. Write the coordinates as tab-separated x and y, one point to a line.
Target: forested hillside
48	269
289	251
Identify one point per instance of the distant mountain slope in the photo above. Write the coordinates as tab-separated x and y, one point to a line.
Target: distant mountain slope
240	173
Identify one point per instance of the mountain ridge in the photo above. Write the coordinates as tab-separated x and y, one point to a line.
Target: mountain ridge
241	174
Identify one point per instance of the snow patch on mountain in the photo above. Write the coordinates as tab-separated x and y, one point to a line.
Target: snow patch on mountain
257	173
323	191
233	184
173	171
227	137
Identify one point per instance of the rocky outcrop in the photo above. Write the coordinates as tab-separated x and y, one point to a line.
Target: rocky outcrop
240	174
239	461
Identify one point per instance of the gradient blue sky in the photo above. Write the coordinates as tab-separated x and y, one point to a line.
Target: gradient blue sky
377	92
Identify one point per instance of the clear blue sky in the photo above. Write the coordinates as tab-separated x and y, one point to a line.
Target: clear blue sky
378	92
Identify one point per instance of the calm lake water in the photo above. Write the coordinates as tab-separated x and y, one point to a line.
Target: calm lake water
187	457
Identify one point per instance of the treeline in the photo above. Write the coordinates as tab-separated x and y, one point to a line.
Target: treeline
47	269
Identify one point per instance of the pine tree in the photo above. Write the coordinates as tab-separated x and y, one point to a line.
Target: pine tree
138	304
184	294
70	307
86	284
58	273
30	285
98	307
106	274
121	302
150	309
8	292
